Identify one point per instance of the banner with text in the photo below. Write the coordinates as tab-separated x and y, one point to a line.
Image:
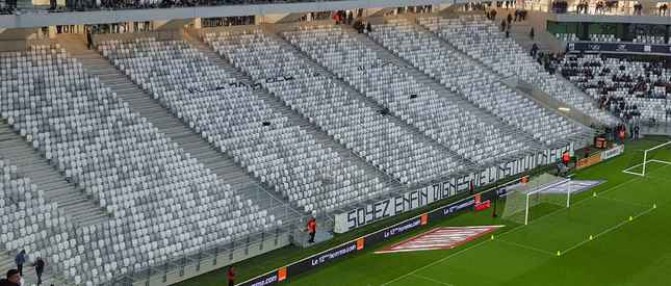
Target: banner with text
417	198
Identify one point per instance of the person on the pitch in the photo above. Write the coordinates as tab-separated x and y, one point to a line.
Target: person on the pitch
312	229
231	275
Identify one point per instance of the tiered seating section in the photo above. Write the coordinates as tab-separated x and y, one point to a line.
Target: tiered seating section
482	40
604	38
377	138
477	85
31	223
622	86
164	204
234	119
650	39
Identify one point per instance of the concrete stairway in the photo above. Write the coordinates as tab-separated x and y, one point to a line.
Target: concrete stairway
546	42
520	31
31	164
295	118
142	103
274	32
75	204
29	275
527	90
420	76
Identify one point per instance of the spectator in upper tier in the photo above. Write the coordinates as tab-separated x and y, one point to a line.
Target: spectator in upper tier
369	28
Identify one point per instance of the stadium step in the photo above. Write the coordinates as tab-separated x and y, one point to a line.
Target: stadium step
31	164
502	79
29	276
273	31
218	60
384	54
320	135
295	118
143	104
520	32
530	91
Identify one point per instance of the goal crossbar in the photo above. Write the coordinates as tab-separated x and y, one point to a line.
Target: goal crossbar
540	189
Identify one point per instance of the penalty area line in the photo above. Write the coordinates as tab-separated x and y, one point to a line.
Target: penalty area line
606	231
528	247
432	280
411	273
513	230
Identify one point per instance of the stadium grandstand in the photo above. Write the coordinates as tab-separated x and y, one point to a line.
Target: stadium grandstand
349	142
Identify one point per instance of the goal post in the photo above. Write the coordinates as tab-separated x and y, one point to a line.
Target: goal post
545	189
548	194
656	154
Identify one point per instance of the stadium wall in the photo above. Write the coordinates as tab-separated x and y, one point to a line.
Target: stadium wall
619	48
596	18
353	247
200	264
600	157
417	198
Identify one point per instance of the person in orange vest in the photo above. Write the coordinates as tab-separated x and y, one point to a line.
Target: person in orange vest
622	134
566	158
231	275
312	229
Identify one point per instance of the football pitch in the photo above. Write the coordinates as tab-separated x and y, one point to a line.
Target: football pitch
618	233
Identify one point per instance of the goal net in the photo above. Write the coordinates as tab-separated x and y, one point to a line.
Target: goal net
641	160
538	196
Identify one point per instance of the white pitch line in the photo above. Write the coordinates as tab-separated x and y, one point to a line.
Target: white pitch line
579	244
526	247
505	233
433	280
436	262
575	204
622	201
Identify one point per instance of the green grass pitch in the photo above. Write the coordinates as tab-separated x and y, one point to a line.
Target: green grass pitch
618	233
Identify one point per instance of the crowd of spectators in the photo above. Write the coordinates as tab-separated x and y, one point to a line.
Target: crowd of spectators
228	21
600	7
559	7
10	7
637	85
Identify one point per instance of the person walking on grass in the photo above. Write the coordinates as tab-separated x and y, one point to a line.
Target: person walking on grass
231	275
